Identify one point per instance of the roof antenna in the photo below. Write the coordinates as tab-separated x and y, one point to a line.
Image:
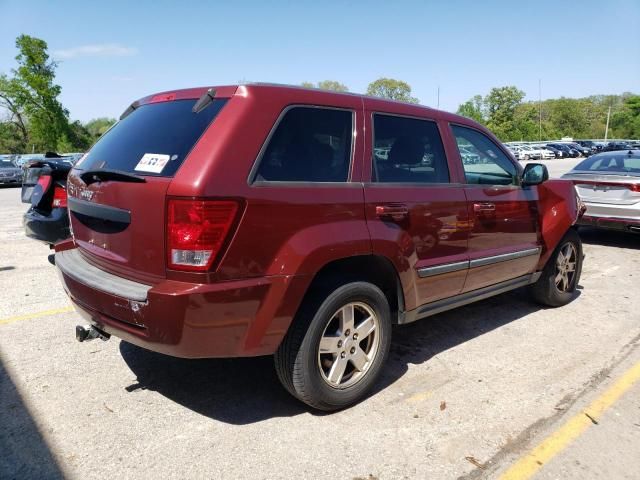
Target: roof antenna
204	101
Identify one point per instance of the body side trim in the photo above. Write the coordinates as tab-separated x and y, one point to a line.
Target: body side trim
442	269
480	262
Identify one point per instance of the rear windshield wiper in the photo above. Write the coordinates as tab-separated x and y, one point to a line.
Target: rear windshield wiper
204	101
92	176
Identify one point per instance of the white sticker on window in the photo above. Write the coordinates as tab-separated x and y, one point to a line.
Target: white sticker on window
152	162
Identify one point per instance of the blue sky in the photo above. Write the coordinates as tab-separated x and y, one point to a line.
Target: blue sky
113	52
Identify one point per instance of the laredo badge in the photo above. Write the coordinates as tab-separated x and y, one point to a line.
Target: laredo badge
152	162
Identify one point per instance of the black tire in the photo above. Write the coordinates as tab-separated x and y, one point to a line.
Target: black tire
545	290
297	360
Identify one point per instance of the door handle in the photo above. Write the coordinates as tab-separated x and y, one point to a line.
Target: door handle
396	212
484	208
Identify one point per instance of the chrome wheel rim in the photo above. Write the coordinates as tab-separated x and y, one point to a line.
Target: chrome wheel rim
566	267
349	345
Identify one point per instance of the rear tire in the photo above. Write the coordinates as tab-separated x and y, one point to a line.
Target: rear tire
557	284
336	346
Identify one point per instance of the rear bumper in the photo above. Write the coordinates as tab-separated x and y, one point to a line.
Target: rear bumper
50	228
247	317
612	216
612	223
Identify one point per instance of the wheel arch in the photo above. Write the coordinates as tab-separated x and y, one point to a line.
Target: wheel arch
375	269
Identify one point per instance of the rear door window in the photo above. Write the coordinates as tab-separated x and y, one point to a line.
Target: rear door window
154	139
407	150
310	144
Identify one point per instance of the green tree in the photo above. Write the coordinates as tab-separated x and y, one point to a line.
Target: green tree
80	138
625	123
500	106
14	135
11	140
568	117
392	89
473	109
34	91
504	112
98	126
327	85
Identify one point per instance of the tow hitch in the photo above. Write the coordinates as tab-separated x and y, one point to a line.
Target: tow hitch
84	333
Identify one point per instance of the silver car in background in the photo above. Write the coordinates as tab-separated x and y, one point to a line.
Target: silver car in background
609	185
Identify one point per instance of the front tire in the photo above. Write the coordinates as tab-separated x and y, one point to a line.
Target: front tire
557	284
336	346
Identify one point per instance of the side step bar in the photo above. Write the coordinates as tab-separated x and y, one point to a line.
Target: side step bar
445	304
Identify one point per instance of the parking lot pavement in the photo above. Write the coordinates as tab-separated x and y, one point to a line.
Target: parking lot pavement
465	394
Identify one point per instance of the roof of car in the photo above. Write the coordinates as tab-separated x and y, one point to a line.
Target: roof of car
226	91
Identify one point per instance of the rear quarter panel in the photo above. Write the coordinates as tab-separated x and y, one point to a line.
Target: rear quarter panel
286	228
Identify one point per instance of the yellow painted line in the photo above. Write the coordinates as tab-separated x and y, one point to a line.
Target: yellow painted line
419	397
533	461
29	316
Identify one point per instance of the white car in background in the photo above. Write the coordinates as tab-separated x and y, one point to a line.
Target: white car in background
524	152
541	152
515	151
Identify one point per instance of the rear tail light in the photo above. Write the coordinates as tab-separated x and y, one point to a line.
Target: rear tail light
45	182
59	197
634	187
196	231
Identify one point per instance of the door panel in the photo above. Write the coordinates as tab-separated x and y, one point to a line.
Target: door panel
434	232
416	218
503	242
510	228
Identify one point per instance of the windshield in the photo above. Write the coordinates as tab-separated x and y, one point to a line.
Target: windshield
5	164
152	140
623	163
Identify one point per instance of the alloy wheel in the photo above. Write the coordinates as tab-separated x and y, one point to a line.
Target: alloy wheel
566	267
349	345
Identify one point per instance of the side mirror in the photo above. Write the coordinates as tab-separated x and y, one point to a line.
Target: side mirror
534	174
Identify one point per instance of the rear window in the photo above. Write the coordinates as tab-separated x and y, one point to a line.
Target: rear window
622	163
152	140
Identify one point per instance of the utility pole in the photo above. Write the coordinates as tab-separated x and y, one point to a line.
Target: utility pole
539	109
606	130
438	97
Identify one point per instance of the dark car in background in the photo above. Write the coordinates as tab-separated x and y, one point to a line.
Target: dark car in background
613	146
568	151
44	187
584	151
9	173
590	144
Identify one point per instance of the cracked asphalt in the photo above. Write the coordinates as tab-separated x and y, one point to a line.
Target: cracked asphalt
464	395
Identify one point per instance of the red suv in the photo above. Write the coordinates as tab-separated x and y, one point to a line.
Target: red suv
260	219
